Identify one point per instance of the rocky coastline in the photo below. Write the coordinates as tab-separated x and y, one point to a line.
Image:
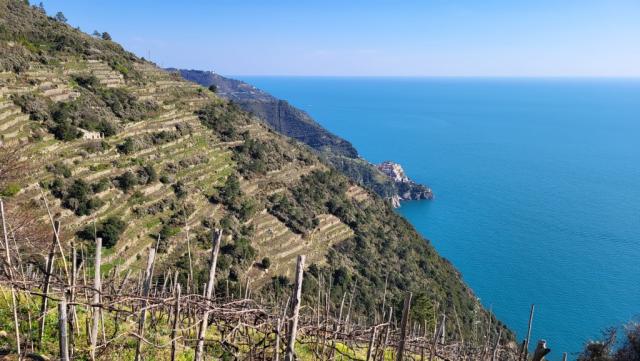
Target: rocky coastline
406	188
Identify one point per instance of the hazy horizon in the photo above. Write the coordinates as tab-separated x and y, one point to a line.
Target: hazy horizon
494	38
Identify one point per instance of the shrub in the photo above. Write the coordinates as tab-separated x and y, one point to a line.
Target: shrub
180	189
14	58
146	174
231	190
36	107
247	209
88	81
266	263
125	105
60	17
77	197
100	186
109	230
59	168
223	119
65	132
126	147
126	181
10	190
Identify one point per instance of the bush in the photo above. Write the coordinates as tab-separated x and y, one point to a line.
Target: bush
147	174
230	192
60	17
65	132
14	58
10	190
266	263
60	169
240	250
126	181
109	230
223	119
125	105
36	107
247	209
126	147
100	186
88	81
180	189
76	196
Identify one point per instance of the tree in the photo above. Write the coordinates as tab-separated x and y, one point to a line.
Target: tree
127	147
109	230
180	189
422	309
213	88
41	8
106	36
96	33
127	181
60	17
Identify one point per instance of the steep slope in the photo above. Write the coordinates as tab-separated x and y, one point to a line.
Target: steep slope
139	156
293	122
282	117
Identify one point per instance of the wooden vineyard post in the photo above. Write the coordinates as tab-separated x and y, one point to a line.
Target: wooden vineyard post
277	345
208	294
97	284
148	275
403	326
436	337
14	301
295	310
371	342
62	326
494	355
387	331
47	281
525	350
176	318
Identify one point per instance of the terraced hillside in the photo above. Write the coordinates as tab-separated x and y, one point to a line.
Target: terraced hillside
136	155
296	123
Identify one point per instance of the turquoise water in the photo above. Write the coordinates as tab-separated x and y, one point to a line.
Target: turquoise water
537	185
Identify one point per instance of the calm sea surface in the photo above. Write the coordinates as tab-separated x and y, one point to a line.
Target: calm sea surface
537	185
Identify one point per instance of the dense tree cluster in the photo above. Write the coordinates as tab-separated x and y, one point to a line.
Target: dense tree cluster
224	119
109	230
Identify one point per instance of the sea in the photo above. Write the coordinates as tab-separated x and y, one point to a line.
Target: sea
537	184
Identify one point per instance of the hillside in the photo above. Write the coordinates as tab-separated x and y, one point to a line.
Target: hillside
282	116
138	156
296	123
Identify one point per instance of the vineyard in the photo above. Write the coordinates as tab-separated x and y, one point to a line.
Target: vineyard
71	311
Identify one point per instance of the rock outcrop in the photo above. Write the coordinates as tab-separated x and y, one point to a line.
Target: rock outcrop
406	188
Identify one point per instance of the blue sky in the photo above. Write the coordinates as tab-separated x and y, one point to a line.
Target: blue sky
374	37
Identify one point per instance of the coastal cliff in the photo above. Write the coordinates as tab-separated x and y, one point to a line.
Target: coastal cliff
296	123
407	189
